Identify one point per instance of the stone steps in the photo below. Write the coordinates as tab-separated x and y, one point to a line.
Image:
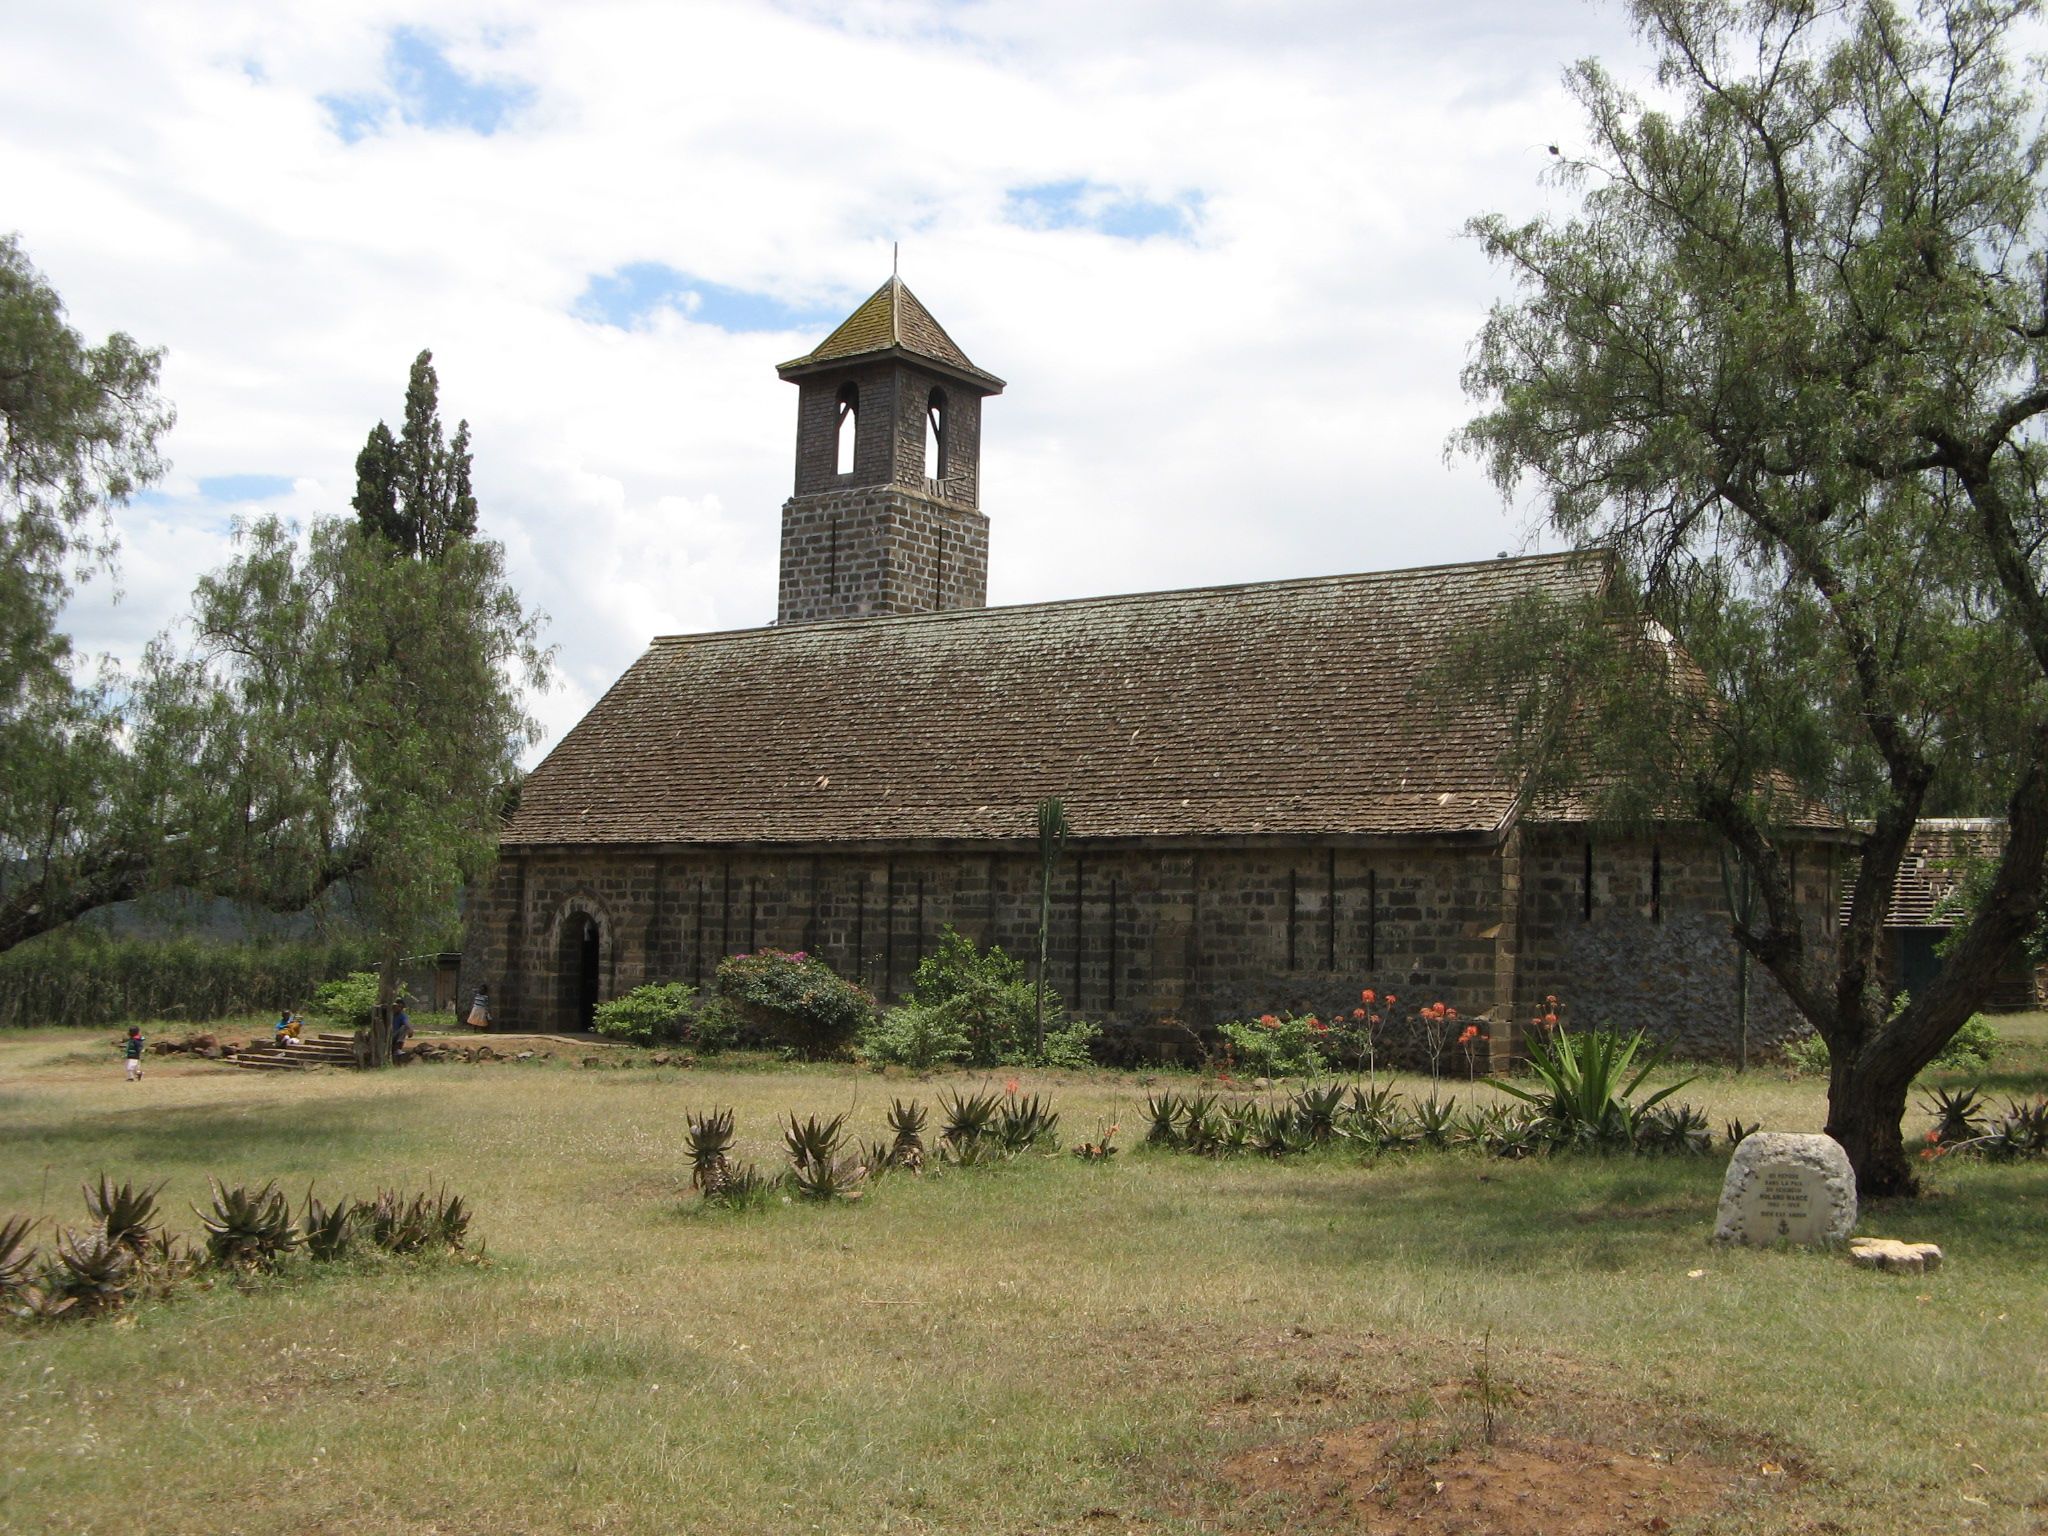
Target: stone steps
323	1050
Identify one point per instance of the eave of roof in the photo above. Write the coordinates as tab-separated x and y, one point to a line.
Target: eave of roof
891	323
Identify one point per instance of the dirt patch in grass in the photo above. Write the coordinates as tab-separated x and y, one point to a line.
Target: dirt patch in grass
1382	1477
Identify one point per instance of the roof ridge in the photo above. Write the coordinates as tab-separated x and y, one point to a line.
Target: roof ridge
1277	584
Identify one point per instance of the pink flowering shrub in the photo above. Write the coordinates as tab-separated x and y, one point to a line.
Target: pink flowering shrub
795	1001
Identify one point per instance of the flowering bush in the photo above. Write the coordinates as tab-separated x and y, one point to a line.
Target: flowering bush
796	1001
1276	1046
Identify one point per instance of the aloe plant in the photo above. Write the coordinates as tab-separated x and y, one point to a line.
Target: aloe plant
90	1268
125	1213
1589	1085
710	1139
743	1188
1023	1123
247	1228
17	1259
813	1140
906	1122
1163	1112
1316	1108
1275	1131
326	1232
1676	1128
1436	1120
968	1117
2018	1134
1958	1115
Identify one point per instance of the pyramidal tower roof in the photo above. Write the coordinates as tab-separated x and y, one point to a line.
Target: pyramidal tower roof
893	322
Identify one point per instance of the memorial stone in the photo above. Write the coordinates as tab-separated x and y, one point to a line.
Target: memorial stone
1785	1188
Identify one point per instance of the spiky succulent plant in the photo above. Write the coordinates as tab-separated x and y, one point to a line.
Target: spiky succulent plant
1023	1123
327	1231
1162	1116
248	1228
906	1122
90	1268
1958	1114
969	1117
126	1214
813	1141
17	1259
710	1139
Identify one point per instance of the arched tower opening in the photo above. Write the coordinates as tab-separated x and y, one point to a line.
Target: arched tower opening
848	428
935	436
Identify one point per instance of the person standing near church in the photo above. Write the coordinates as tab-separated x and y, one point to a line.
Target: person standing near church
131	1050
480	1008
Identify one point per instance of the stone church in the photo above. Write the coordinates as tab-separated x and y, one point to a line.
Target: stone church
1266	814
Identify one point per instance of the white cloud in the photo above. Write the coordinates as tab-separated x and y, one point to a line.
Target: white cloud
1263	393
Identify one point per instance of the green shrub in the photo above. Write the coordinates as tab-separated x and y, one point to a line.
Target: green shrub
1072	1047
796	1001
1807	1055
1972	1047
666	1013
1274	1045
1589	1086
986	997
349	1002
916	1036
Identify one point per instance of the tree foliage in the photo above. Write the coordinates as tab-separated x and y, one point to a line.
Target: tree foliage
381	699
1786	361
79	428
414	490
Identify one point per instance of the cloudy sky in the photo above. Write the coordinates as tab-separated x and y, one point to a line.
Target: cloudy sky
1213	247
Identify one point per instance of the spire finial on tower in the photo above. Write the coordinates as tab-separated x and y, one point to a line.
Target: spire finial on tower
895	259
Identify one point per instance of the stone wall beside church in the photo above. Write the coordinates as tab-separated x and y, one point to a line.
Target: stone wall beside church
1161	943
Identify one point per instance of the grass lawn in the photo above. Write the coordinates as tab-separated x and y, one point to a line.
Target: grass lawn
1157	1344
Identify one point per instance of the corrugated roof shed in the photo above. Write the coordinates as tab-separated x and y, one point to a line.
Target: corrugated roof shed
1279	709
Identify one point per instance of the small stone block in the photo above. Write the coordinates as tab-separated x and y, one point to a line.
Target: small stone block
1901	1258
1786	1188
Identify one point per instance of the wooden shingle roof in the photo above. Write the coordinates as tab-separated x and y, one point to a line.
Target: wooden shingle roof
891	321
1280	709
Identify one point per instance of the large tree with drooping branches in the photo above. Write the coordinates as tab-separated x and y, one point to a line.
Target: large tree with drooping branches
1786	359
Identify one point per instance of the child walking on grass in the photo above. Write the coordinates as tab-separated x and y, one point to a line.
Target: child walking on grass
132	1049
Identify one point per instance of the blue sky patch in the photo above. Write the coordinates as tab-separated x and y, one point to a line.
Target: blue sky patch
628	295
1080	204
243	487
422	88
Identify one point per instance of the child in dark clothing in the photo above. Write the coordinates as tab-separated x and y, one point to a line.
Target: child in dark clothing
132	1049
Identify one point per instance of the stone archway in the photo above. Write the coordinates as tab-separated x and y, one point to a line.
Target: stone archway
578	968
582	958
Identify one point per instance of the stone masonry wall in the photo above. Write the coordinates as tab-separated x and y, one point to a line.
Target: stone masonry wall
1646	945
875	551
1189	935
1137	936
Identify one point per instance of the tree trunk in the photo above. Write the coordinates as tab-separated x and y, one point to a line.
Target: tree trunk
1866	1111
380	1016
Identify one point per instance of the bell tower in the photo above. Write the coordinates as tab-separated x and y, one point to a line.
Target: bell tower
886	518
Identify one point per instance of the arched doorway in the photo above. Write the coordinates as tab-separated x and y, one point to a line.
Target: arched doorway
579	970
